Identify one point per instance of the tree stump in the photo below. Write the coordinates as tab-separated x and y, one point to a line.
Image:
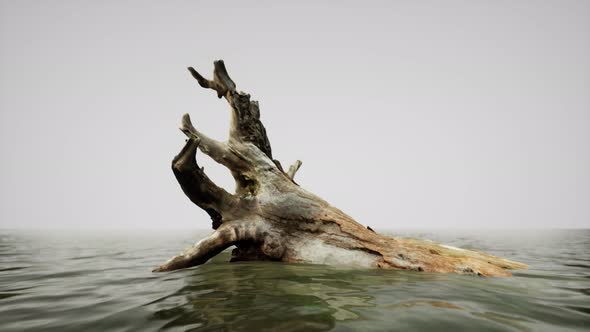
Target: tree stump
270	217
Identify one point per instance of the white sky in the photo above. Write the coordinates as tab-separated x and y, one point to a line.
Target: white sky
406	114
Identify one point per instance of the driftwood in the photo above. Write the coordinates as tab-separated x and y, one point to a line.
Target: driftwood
270	217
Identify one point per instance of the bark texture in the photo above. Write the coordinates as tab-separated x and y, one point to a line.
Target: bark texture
270	217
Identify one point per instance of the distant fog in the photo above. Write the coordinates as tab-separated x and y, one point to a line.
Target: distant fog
406	114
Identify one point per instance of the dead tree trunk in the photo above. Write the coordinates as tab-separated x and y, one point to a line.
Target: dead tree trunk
270	217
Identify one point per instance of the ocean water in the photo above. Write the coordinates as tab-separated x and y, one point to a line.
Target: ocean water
101	281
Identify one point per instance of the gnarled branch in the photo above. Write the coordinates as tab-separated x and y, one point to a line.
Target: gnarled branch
245	125
203	250
244	232
221	82
293	169
199	188
218	151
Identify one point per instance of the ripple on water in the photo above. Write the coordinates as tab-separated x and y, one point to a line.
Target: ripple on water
85	283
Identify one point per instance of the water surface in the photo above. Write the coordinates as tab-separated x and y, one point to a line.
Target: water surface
101	281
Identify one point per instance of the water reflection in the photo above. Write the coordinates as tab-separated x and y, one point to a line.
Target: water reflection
102	282
273	296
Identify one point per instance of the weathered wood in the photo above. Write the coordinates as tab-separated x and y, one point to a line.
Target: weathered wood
293	169
270	217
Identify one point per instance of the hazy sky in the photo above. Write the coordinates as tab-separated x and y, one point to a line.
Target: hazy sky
406	114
